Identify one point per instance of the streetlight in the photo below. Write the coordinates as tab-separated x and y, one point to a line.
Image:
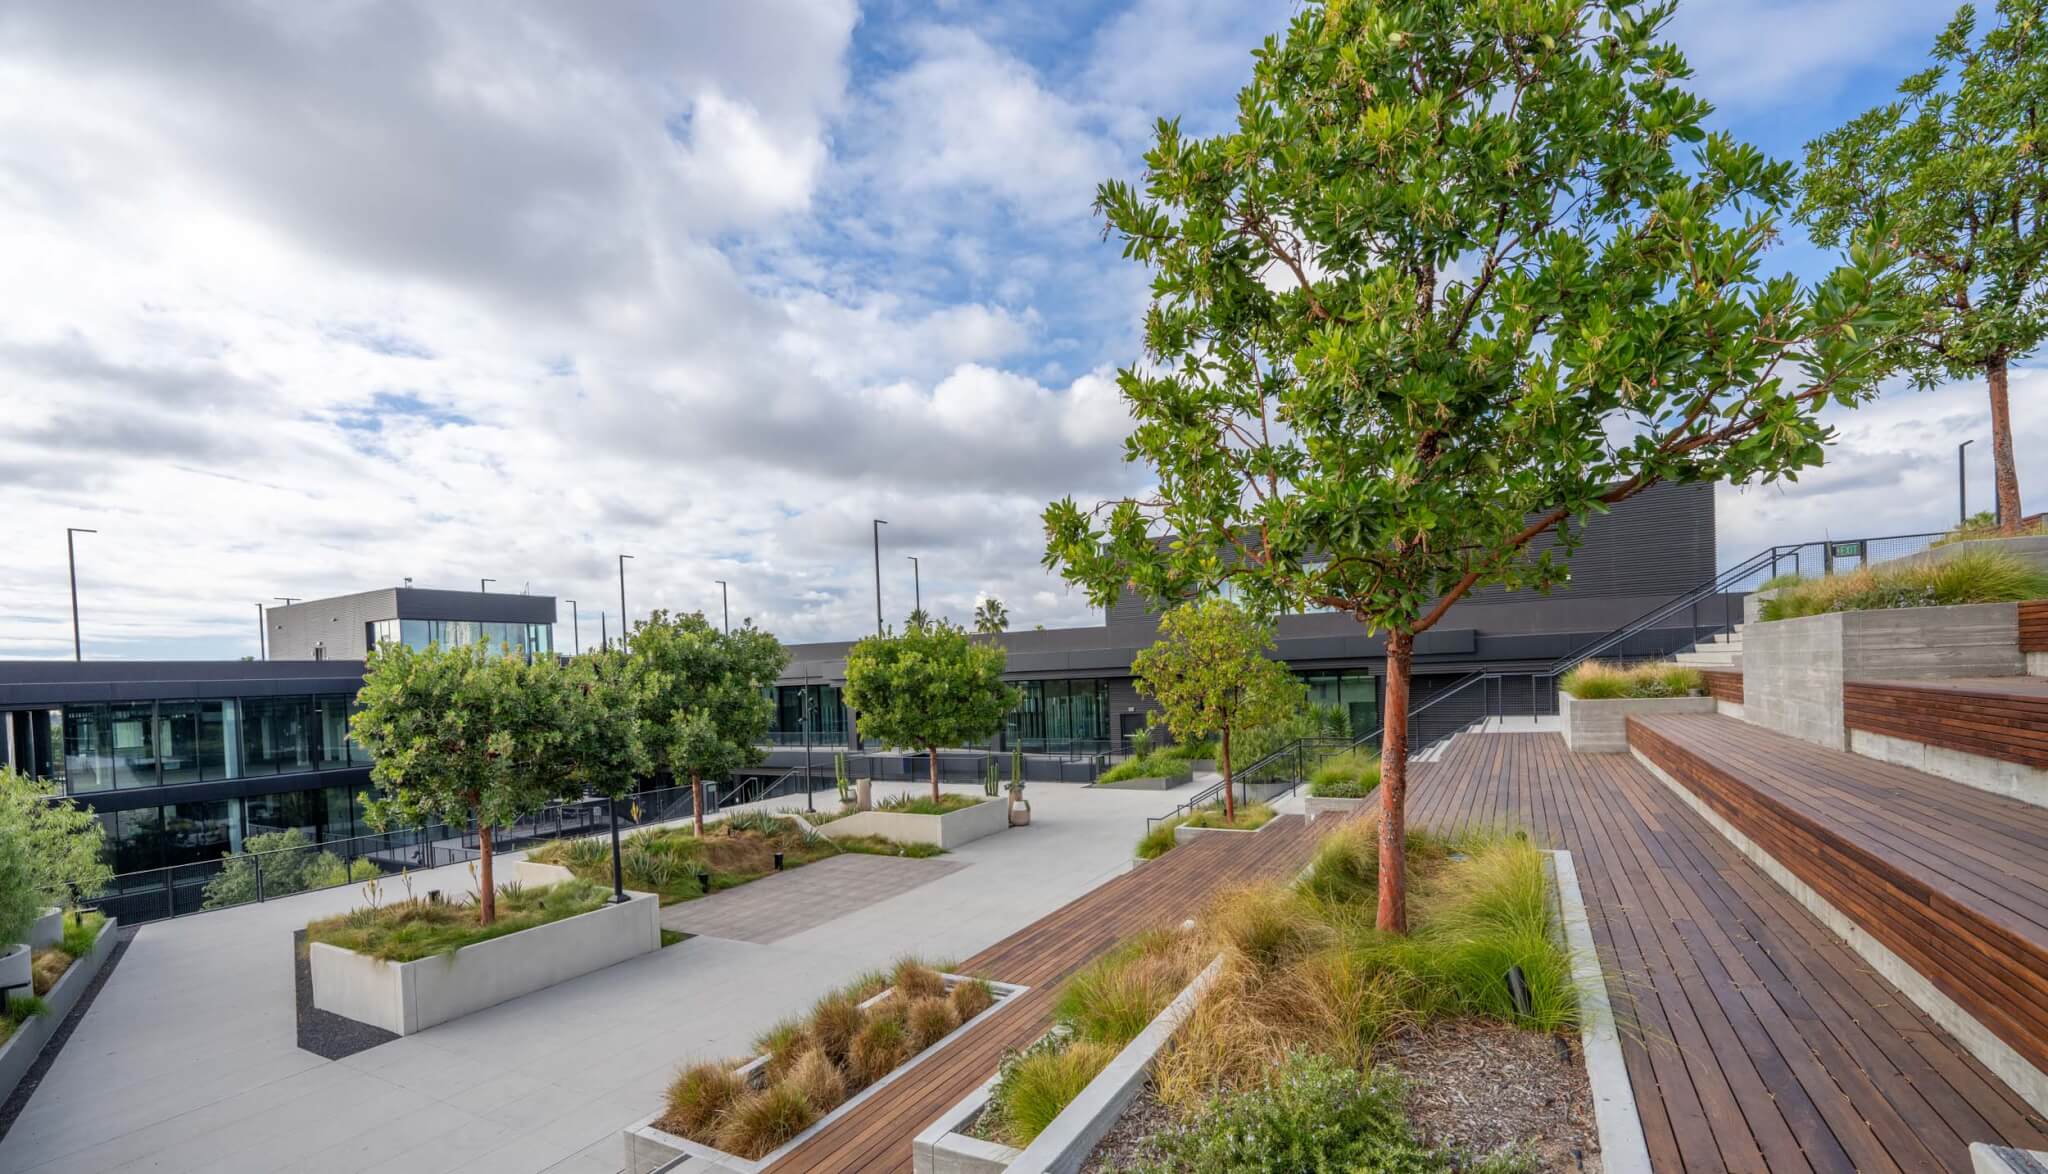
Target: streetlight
724	605
262	647
71	556
483	586
810	707
1962	485
879	523
575	627
622	600
916	585
604	635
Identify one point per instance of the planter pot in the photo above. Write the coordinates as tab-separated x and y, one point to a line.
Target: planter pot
1792	670
16	969
1317	806
405	997
1600	726
863	794
1152	783
19	1053
947	831
650	1149
48	929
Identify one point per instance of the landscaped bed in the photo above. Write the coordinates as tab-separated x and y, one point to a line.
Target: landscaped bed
1600	681
1350	775
1250	817
415	928
1320	1043
1164	766
807	1067
1975	576
944	822
667	861
52	961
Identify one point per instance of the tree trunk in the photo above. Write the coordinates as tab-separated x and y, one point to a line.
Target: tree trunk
932	756
1223	760
697	802
1393	915
487	889
2005	475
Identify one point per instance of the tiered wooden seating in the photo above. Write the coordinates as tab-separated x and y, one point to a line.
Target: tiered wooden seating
1953	880
2034	626
2005	718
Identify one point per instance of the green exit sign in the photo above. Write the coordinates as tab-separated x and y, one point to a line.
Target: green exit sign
1847	549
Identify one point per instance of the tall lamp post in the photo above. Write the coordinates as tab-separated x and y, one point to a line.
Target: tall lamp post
575	627
622	600
804	720
916	584
879	523
483	586
724	605
262	644
71	557
1962	483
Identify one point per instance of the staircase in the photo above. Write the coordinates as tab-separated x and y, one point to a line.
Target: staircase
1723	650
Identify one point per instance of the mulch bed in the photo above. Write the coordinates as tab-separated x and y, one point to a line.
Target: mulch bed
1129	1141
1479	1088
323	1033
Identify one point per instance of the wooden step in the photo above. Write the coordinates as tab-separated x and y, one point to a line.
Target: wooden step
1951	880
2004	718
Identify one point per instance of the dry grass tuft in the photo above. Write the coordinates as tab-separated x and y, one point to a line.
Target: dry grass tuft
49	966
879	1048
914	980
835	1020
757	1122
1265	924
699	1094
822	1083
929	1020
971	998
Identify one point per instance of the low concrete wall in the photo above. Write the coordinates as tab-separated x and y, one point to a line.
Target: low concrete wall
48	929
2037	664
1623	1149
1151	783
2033	549
1600	726
1316	806
947	831
19	1053
405	997
1792	670
2011	779
1752	605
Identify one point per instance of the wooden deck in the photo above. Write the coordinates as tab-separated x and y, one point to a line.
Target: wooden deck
2005	718
1165	891
1754	1039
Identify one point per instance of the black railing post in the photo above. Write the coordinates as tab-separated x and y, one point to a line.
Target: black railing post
618	870
170	896
258	858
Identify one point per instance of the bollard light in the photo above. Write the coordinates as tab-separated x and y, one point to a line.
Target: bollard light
778	862
704	882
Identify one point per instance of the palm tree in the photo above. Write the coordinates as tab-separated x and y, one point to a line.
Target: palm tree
990	616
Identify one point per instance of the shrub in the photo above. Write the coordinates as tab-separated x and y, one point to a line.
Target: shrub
20	901
1036	1085
1157	764
783	1043
881	1045
757	1122
1596	681
1160	840
971	998
699	1094
1315	1114
914	980
1249	817
821	1082
1350	775
1779	582
835	1020
286	862
929	1020
1977	576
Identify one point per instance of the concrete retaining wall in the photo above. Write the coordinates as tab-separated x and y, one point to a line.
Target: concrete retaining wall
1600	726
19	1053
405	997
48	929
1317	806
947	831
2011	779
1792	670
1152	783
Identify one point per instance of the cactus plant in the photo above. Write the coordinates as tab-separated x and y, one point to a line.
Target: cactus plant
839	773
988	783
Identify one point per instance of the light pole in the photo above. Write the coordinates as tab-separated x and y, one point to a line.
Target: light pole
262	645
71	557
916	585
604	635
483	586
575	628
724	605
879	523
804	720
1962	484
622	600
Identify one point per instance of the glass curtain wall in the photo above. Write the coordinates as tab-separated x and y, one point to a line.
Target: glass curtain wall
126	745
830	707
1058	714
514	639
1355	691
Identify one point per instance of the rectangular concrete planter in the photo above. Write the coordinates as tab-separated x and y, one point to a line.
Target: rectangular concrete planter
406	997
946	1148
1152	783
1183	833
48	929
19	1053
1316	806
947	831
650	1149
1792	670
1600	726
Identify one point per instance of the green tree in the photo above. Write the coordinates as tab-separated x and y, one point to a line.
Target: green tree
1955	175
1210	674
65	843
702	695
991	617
278	864
927	688
459	734
603	749
21	900
1447	288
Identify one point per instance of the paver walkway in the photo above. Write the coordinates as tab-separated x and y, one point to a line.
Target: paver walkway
777	906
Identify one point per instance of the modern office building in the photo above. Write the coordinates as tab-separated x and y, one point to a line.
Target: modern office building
1077	688
346	627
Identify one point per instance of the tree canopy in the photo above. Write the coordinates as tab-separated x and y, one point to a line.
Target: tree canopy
929	687
65	844
1955	174
991	617
1464	273
1210	674
702	695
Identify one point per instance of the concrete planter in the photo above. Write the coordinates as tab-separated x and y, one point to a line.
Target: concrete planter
1600	726
48	929
17	968
1753	603
946	1147
406	997
1792	670
2033	549
19	1053
1317	806
947	831
1183	833
650	1149
1154	783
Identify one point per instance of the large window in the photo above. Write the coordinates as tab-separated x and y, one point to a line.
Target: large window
1056	714
276	735
827	704
88	763
526	640
1356	692
132	737
332	709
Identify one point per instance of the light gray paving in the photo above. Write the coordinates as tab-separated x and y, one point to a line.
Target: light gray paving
188	1059
776	906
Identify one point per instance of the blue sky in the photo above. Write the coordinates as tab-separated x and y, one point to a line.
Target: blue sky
311	300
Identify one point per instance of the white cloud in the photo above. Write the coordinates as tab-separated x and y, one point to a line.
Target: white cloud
1749	54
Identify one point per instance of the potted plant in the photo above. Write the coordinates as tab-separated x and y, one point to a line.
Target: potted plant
1020	808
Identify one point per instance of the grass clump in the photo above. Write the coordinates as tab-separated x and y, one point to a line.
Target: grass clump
914	980
971	998
1111	999
1780	582
406	931
911	803
1160	840
1599	681
882	1044
929	1020
665	861
762	1119
1976	576
1249	816
1035	1085
1351	775
699	1094
1984	524
877	846
820	1080
1153	765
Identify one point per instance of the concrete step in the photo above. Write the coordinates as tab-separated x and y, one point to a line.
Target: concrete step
1710	659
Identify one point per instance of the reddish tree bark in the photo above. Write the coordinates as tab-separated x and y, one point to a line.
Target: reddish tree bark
487	895
1393	913
2005	475
1229	804
932	755
697	803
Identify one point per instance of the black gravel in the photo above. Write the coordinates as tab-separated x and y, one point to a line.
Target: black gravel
323	1033
18	1100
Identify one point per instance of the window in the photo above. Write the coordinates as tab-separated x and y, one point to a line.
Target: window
194	833
276	735
88	764
333	722
1354	691
1057	713
132	743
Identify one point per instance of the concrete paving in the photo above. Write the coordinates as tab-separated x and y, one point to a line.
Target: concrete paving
786	903
187	1060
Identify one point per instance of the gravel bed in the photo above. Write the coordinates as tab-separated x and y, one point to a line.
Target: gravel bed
1130	1139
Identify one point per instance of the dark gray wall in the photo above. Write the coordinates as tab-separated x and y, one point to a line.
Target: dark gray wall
29	684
